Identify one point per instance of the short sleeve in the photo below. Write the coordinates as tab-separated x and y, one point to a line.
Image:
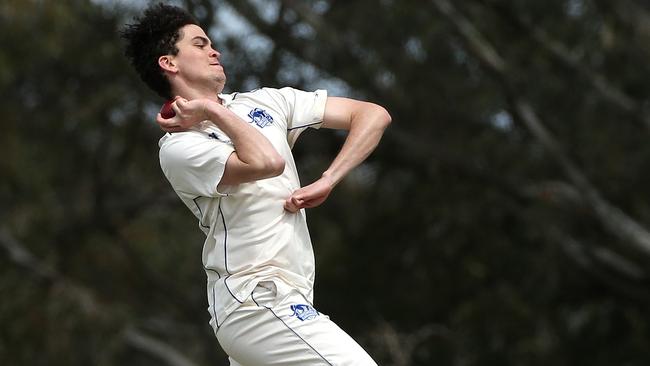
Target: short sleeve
303	109
194	163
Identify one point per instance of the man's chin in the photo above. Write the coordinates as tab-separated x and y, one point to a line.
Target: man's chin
221	82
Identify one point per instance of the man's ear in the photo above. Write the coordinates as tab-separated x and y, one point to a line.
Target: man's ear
167	63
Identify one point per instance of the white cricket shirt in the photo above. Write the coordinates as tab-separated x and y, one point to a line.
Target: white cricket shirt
249	236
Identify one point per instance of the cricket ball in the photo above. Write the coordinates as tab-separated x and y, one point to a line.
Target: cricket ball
167	111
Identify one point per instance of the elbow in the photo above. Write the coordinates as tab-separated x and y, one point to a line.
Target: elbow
277	166
273	166
387	118
383	117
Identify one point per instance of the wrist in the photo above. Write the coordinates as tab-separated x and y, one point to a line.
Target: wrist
329	178
214	111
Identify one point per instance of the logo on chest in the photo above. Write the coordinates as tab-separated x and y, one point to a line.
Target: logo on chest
260	117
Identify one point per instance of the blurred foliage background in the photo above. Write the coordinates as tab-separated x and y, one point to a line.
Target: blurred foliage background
503	220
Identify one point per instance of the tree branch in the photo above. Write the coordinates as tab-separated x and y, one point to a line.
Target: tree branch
592	258
24	258
334	48
87	301
561	53
401	346
617	222
155	347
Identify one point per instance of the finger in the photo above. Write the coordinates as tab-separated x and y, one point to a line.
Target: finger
297	202
160	119
174	129
301	194
181	102
167	124
166	121
176	106
290	206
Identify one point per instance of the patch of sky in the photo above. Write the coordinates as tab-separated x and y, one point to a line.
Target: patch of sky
575	8
414	48
267	10
502	120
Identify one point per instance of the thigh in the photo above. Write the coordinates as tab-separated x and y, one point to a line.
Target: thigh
233	362
286	330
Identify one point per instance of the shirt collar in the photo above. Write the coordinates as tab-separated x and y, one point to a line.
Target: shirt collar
227	98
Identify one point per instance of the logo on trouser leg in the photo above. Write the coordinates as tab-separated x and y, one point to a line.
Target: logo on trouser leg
304	312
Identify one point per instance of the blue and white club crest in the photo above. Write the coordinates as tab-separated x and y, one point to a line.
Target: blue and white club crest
304	312
260	117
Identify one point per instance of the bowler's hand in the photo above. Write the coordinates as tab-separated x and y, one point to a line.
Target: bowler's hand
309	196
188	113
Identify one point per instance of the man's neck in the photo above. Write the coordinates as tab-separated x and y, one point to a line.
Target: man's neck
193	93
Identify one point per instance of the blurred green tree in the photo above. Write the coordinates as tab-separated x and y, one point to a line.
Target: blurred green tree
503	220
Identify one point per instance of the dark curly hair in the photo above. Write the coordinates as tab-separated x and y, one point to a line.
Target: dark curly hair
152	35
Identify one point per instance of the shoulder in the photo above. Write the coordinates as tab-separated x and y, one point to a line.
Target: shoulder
263	94
263	100
268	93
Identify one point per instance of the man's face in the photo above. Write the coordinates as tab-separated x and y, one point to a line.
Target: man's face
197	62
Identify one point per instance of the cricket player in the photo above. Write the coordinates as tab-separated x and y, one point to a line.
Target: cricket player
228	157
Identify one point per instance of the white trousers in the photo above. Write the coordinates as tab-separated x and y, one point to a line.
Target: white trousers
273	328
